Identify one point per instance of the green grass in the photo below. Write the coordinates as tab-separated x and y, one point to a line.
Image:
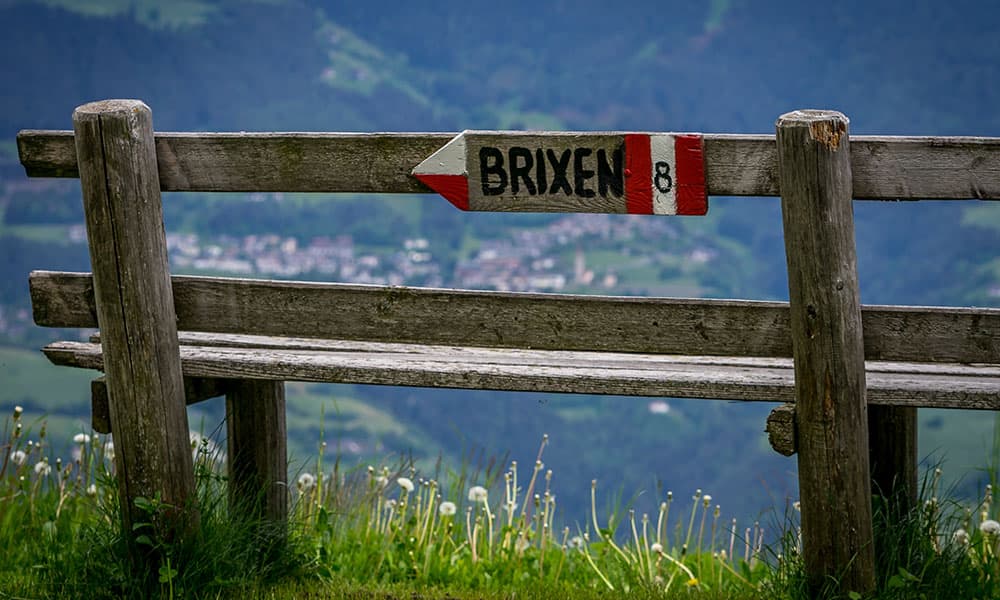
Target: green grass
394	532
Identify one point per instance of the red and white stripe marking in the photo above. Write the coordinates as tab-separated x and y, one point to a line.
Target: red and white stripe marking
446	173
684	155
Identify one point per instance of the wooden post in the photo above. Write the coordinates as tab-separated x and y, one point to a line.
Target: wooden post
831	413
135	306
258	457
892	439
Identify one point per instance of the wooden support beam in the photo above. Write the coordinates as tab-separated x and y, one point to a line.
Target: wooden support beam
814	159
781	433
196	389
135	308
892	439
258	455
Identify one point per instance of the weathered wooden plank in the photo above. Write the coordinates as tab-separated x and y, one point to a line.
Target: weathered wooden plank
892	451
825	313
196	389
258	455
135	309
780	430
520	320
727	378
884	167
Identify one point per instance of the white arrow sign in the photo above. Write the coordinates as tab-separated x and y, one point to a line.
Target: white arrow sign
637	173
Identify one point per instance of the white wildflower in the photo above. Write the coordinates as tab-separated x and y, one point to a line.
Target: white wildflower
990	527
42	469
657	548
447	509
960	537
81	438
18	457
406	483
307	481
478	493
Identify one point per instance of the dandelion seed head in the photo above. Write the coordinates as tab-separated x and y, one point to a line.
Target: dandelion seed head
406	483
18	457
447	509
381	481
81	438
656	548
307	481
990	527
706	499
42	468
576	542
478	493
521	544
18	411
92	490
960	537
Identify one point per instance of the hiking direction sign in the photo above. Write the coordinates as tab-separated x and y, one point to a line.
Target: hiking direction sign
636	173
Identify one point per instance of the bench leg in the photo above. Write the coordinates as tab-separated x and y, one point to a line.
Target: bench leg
258	457
892	450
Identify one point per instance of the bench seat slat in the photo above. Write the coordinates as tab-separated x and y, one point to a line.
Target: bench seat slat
737	378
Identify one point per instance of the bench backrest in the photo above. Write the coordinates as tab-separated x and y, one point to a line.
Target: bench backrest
524	320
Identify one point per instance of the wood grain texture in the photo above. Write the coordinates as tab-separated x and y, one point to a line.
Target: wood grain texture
892	442
258	454
134	303
519	320
884	167
814	153
728	378
780	430
196	389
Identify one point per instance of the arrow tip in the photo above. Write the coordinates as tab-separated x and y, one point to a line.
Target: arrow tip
455	188
444	172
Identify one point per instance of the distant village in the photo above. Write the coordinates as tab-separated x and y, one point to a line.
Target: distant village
527	260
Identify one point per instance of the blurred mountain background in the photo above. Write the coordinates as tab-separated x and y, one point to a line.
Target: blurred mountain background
894	67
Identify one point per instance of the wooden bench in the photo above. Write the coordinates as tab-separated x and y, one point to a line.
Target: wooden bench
242	337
